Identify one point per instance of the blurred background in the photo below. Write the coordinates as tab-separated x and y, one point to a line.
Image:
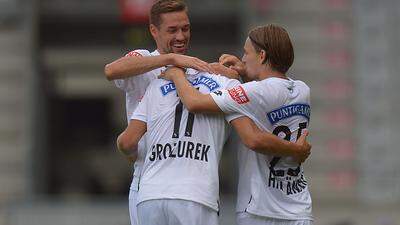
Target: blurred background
59	116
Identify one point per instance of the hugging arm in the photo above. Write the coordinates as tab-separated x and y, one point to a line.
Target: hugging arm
193	100
269	144
128	140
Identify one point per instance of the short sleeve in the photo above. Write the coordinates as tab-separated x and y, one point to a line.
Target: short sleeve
140	112
230	83
239	99
125	84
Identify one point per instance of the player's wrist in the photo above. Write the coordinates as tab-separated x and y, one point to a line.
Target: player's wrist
170	59
176	70
296	150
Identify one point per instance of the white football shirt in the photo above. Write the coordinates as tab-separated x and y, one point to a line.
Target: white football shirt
135	88
184	149
271	186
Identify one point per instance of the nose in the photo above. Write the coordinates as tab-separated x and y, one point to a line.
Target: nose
180	36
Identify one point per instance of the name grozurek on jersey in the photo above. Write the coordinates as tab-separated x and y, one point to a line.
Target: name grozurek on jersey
184	149
271	186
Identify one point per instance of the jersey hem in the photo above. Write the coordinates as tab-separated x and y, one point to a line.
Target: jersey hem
276	216
215	208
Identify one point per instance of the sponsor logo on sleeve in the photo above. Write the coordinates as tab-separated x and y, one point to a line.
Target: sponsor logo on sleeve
238	95
133	54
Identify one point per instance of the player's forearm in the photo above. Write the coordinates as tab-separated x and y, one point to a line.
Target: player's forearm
225	71
193	100
185	90
133	66
132	157
129	153
266	143
260	141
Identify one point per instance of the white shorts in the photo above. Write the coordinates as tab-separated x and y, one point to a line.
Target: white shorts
175	212
250	219
132	207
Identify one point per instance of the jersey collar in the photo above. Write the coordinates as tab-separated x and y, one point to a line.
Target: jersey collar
155	53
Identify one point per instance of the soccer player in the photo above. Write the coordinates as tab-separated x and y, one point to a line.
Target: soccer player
272	189
170	28
179	181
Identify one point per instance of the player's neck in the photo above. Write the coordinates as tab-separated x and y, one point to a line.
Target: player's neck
268	73
161	51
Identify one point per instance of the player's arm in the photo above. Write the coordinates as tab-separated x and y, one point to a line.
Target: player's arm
128	140
266	143
136	65
225	71
193	100
235	64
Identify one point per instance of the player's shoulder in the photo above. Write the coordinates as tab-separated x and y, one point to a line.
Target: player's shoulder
161	86
138	53
302	85
159	82
253	86
276	83
224	82
273	81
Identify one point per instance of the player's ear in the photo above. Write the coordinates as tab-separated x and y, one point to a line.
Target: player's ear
262	56
153	30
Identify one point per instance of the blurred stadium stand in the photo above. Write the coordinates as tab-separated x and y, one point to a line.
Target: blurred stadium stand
59	117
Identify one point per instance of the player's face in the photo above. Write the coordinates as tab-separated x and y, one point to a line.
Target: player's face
251	59
173	34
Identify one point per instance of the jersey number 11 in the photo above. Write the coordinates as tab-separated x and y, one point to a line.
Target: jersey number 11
177	122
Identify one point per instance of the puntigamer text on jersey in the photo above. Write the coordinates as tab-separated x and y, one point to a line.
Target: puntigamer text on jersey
289	111
210	83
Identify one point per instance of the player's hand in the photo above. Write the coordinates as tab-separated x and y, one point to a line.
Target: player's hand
304	148
233	62
225	71
171	72
185	61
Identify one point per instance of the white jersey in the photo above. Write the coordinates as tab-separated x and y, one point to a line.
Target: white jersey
271	186
184	149
135	88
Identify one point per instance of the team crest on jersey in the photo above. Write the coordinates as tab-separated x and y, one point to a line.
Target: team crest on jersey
210	83
239	95
133	54
289	111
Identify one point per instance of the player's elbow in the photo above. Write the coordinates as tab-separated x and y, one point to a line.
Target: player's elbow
109	72
126	145
250	143
253	142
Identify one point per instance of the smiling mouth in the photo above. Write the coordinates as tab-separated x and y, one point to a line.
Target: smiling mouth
179	45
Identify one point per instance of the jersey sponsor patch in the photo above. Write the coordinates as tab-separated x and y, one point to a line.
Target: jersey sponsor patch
238	94
133	54
289	111
210	83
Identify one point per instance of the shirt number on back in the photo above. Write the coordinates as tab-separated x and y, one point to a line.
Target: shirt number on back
275	160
